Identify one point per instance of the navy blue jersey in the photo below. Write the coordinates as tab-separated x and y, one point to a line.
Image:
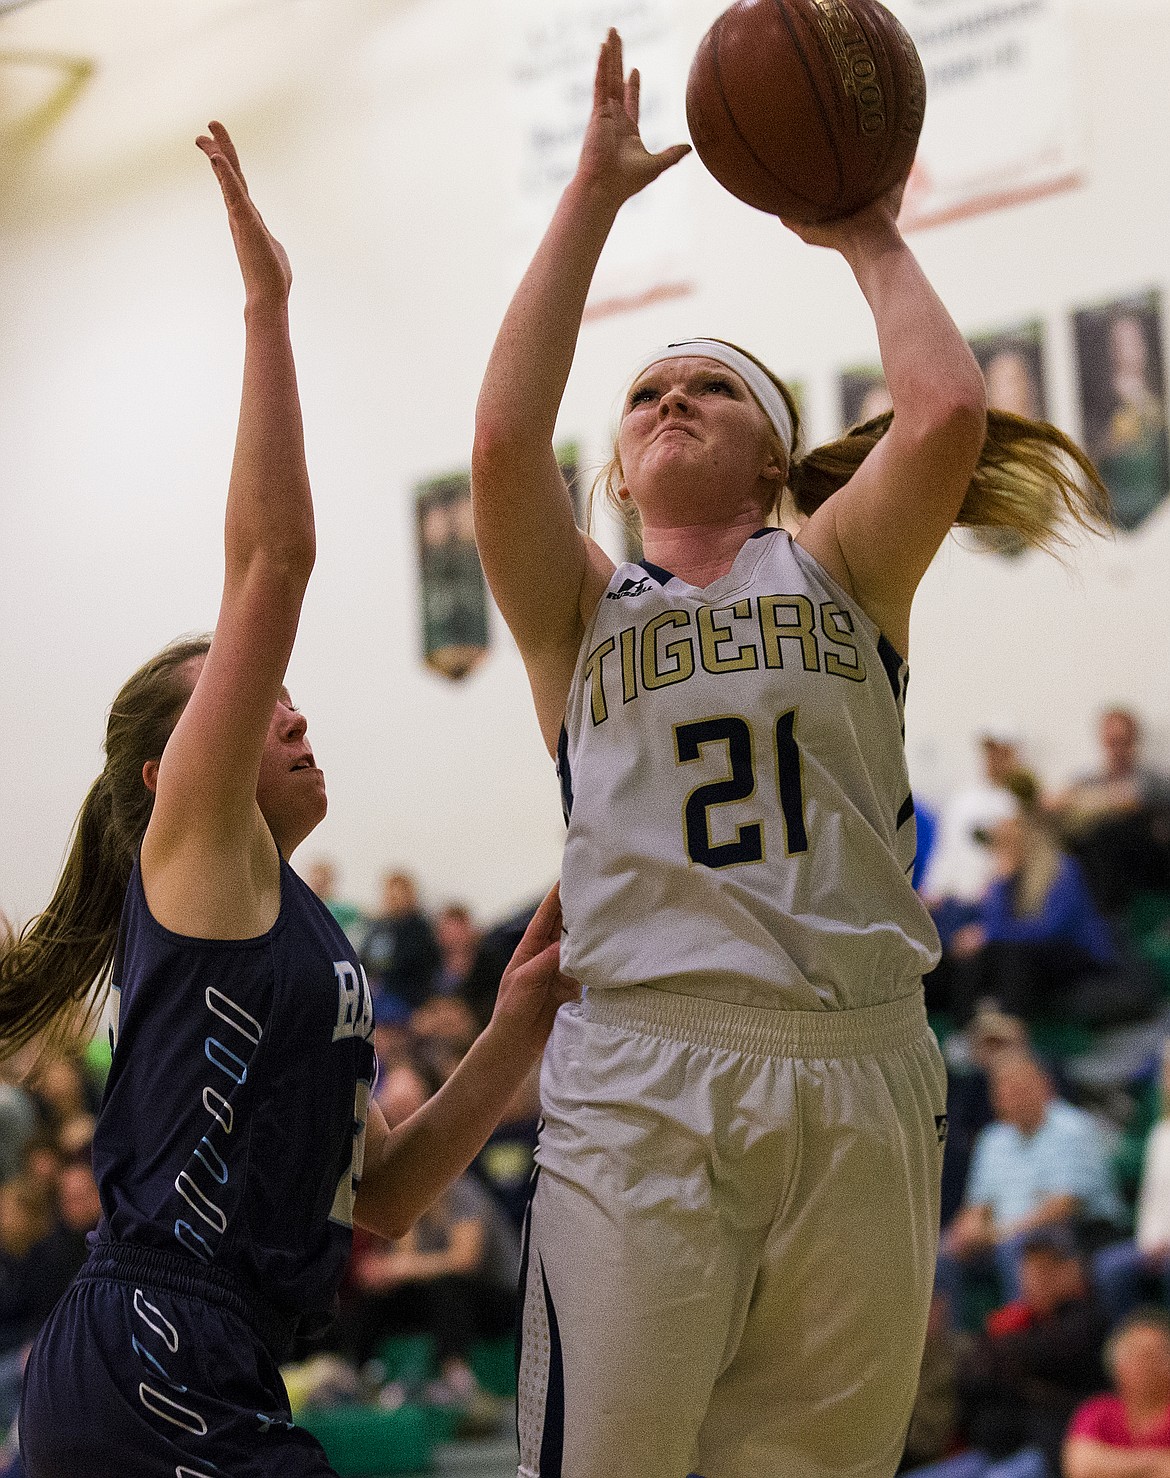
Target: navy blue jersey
233	1121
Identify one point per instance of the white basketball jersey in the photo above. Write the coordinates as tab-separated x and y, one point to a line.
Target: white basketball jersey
740	817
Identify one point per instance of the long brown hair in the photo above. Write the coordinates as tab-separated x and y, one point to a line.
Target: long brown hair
54	974
1031	478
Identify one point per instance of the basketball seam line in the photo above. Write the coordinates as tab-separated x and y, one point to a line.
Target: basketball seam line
814	90
739	132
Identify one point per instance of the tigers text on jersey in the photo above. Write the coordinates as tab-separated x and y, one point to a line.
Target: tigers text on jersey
732	767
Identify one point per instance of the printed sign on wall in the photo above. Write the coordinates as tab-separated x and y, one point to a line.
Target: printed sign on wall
1002	124
555	56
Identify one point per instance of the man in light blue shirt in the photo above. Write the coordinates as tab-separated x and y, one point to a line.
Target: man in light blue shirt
1042	1163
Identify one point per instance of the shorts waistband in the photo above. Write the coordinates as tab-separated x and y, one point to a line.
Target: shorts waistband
172	1272
809	1034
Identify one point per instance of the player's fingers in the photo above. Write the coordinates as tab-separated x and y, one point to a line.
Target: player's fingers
567	989
633	94
234	194
669	157
601	76
544	930
547	918
223	170
535	976
545	962
224	140
613	67
616	52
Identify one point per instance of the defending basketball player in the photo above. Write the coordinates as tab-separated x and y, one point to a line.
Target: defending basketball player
237	1141
732	1235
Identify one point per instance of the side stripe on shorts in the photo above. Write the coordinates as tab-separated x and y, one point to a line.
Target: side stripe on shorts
540	1366
552	1446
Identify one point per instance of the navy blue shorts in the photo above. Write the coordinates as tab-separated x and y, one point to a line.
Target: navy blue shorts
160	1375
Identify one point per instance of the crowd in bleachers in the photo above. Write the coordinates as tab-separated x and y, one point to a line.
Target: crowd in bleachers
48	1202
1048	1353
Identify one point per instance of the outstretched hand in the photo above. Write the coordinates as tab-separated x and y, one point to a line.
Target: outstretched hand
263	262
613	155
533	989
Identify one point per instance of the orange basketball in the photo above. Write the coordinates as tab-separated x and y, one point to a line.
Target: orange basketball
807	109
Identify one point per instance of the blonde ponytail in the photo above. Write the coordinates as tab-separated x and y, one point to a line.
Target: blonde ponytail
1031	479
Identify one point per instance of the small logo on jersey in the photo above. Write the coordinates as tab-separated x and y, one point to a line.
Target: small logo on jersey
629	587
940	1124
355	1008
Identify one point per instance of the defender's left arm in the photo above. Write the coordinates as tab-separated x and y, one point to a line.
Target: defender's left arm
407	1167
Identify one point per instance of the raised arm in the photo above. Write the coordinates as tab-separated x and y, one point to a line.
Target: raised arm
879	532
546	575
210	864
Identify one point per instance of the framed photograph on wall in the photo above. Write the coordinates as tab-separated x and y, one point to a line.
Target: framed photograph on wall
1012	361
1123	402
862	394
452	590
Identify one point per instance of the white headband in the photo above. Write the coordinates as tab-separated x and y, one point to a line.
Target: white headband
769	399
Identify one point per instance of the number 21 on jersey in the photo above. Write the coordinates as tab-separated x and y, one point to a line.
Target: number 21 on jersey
740	783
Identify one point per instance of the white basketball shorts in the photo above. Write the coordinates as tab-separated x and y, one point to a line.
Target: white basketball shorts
731	1240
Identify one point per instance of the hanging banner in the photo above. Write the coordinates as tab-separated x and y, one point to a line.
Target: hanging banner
555	57
1012	361
862	394
1123	402
1001	120
452	591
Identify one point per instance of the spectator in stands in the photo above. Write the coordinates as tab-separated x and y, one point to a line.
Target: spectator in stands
1129	1272
1040	946
1127	1434
322	878
79	1206
926	829
399	952
959	868
458	940
36	1267
63	1088
969	1110
1117	820
18	1123
1020	1380
1041	1164
392	1037
443	1029
40	1165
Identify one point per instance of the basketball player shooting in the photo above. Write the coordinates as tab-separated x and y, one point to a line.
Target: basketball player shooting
732	1237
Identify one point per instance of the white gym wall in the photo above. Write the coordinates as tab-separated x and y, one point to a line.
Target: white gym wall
383	140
